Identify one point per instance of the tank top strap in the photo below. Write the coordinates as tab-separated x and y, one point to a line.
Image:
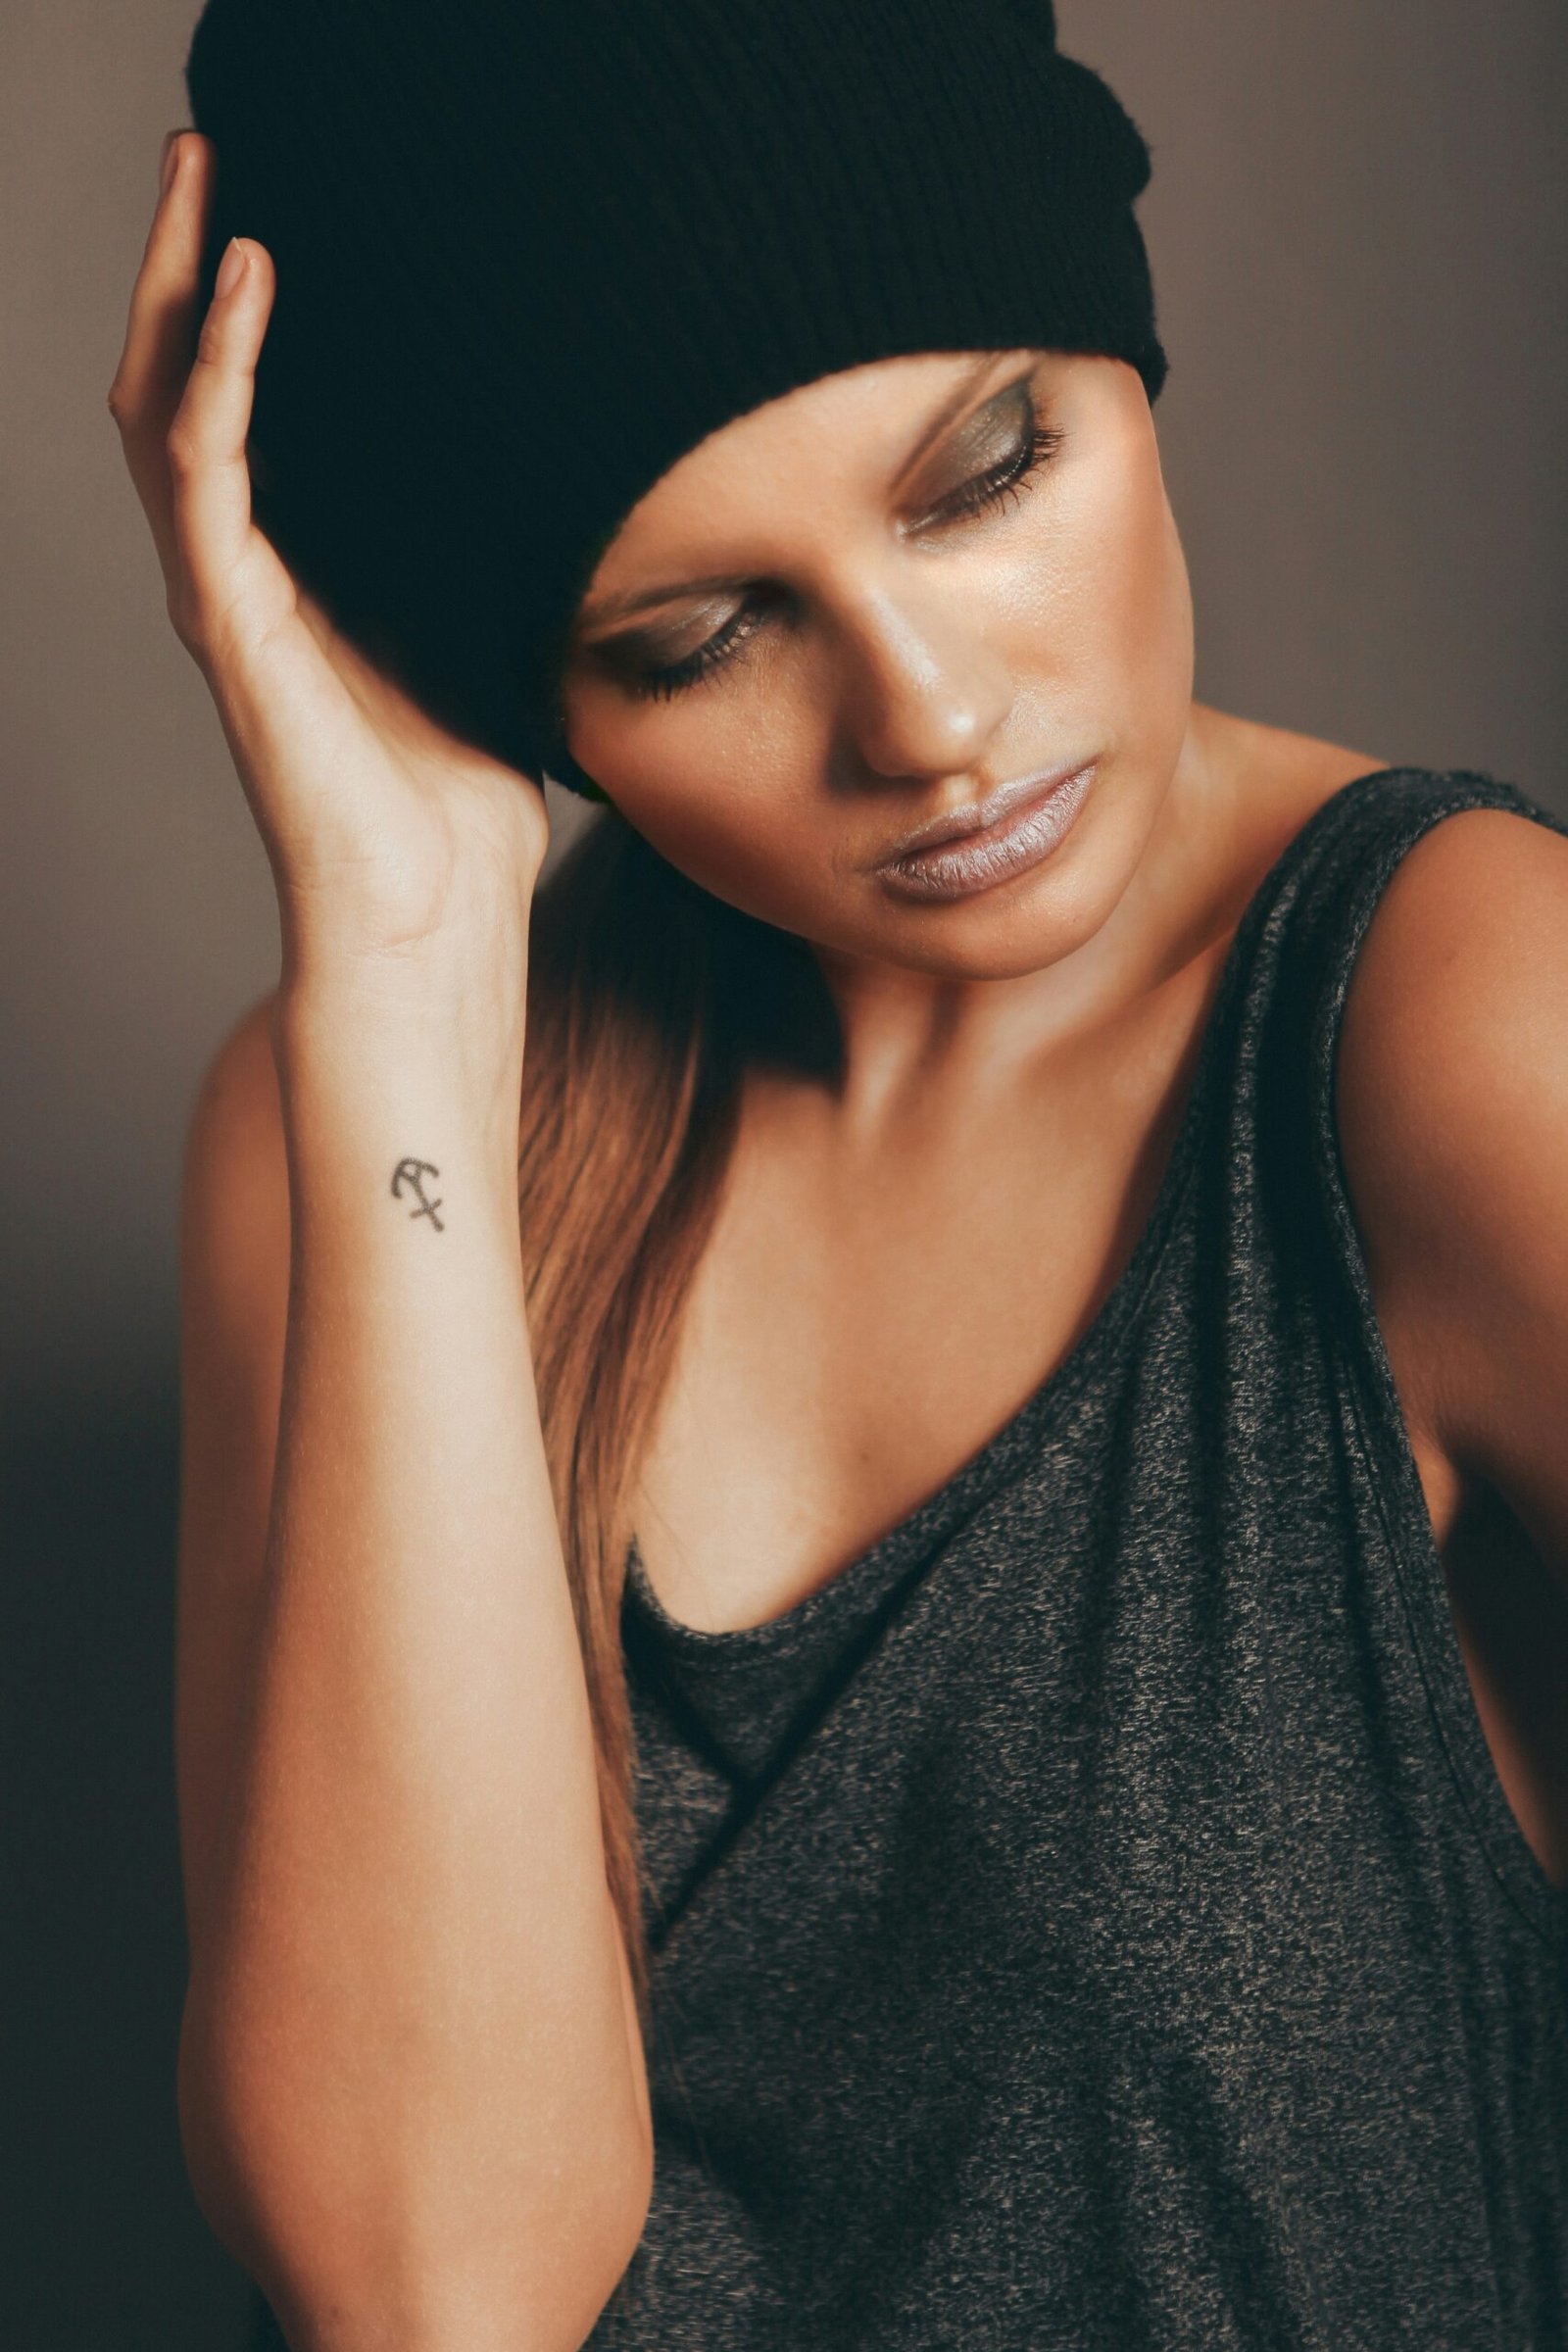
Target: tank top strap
1282	1139
1309	922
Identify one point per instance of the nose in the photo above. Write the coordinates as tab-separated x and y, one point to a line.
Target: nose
922	691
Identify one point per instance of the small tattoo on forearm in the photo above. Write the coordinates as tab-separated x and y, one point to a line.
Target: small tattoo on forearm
411	1172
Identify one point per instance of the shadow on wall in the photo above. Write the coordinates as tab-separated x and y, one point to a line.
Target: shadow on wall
107	2250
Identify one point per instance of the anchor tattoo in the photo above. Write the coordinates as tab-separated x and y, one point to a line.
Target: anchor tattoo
409	1172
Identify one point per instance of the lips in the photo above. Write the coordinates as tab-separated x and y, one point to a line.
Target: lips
1038	820
959	824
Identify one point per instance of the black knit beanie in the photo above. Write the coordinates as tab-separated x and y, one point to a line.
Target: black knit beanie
530	252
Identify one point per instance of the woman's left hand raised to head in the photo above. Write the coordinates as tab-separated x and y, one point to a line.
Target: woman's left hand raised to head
398	852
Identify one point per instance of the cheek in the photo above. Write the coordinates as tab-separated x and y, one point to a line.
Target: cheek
1153	615
648	754
1111	619
719	784
719	797
749	845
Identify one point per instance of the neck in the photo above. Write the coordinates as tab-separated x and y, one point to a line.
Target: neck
1142	911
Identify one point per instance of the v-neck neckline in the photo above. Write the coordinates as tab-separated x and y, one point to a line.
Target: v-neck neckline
861	1581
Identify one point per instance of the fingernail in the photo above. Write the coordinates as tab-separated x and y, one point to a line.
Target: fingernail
168	161
231	268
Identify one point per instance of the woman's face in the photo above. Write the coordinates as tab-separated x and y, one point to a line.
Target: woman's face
936	575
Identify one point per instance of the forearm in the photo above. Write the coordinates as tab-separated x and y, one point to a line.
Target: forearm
407	2007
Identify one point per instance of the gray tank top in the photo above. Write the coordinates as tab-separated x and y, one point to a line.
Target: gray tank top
1094	1919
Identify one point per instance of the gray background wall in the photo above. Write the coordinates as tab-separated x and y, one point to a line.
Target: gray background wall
1360	242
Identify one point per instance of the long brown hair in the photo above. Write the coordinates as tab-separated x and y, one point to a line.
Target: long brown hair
649	998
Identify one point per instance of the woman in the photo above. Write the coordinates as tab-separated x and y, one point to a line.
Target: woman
874	1524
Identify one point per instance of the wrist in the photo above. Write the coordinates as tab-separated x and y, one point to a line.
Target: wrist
367	1075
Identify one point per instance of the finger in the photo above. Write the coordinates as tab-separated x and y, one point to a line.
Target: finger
209	475
160	331
158	324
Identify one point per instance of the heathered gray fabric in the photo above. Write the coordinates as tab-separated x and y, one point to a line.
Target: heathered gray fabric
1094	1919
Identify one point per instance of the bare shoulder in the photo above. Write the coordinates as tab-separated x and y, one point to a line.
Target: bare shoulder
239	1086
234	1287
1452	1101
234	1221
234	1270
1457	1007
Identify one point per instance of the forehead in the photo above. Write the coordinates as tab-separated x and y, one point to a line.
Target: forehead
840	432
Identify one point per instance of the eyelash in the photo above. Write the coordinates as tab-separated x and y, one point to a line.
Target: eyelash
977	497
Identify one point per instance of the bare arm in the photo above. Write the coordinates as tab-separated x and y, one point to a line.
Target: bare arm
1453	1095
411	2083
409	2052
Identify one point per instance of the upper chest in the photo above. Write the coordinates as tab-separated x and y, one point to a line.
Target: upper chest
853	1338
857	1331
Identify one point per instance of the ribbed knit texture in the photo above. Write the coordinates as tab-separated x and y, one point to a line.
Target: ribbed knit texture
529	255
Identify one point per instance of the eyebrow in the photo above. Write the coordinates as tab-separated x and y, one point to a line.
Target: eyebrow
615	608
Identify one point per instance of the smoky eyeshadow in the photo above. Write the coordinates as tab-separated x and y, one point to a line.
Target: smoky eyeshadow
652	647
988	437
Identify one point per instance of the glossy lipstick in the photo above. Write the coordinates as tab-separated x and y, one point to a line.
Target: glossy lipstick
977	859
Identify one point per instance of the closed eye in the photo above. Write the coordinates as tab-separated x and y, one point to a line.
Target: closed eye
984	494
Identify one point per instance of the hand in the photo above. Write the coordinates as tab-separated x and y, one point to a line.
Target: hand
384	832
